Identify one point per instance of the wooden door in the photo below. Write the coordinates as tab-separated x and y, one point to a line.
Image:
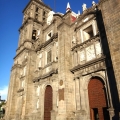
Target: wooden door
97	100
48	103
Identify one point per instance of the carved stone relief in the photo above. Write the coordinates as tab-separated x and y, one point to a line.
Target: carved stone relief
61	94
61	90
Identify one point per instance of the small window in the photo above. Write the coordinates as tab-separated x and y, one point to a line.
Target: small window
36	16
49	56
43	18
36	9
88	33
34	34
49	35
44	13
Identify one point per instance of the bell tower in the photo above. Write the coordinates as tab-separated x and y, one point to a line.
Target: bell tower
34	15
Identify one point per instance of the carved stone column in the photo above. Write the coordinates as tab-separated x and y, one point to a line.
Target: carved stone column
77	92
111	109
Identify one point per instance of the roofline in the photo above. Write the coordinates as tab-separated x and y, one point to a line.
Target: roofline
38	3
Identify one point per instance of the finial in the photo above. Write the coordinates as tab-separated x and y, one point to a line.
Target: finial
78	12
84	6
68	7
93	3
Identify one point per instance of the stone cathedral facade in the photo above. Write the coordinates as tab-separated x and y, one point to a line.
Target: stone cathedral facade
67	66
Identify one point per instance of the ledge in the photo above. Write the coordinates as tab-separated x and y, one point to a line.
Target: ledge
15	66
20	90
27	21
38	3
46	75
55	35
87	41
78	67
88	11
22	51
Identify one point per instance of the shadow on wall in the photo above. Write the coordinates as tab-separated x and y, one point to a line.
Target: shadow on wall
109	66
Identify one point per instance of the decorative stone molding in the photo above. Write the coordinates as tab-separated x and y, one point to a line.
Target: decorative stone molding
53	71
36	1
111	112
16	66
55	35
91	63
86	43
20	90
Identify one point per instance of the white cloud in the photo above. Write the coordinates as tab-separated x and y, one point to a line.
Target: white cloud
3	92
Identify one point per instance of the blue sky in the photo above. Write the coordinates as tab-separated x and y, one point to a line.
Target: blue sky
11	20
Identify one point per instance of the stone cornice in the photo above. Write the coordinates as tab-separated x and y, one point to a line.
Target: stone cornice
67	13
87	12
57	14
47	42
15	66
41	3
23	44
20	90
81	45
79	67
22	51
53	71
27	21
83	23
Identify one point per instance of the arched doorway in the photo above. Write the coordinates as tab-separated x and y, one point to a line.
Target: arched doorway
97	100
48	103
